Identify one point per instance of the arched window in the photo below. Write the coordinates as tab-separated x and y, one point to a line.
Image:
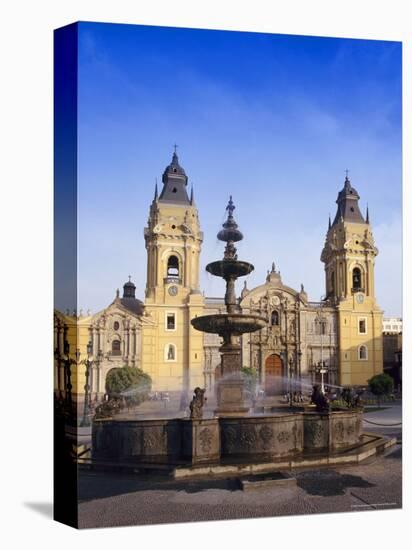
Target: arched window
275	318
332	282
116	347
173	266
356	279
170	352
363	352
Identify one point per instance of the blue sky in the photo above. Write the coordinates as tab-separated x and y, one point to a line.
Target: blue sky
273	120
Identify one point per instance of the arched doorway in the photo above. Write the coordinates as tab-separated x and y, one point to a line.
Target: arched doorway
273	375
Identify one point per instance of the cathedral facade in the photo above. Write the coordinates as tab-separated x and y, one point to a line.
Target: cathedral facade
338	339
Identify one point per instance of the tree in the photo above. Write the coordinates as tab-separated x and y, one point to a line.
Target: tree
381	384
130	383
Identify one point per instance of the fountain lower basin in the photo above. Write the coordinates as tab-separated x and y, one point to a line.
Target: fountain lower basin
219	440
229	268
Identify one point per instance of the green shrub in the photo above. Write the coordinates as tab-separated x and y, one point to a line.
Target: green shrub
129	383
381	384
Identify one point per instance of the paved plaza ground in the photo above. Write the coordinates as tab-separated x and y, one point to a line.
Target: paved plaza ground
108	499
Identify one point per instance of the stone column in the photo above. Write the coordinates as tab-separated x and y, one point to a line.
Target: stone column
61	340
91	379
102	340
230	390
100	389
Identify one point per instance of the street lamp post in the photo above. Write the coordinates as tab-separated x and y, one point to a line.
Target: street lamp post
86	411
321	365
322	369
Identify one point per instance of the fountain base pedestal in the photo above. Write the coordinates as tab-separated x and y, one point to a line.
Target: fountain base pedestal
231	398
231	387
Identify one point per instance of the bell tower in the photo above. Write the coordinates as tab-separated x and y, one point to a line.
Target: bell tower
172	349
349	257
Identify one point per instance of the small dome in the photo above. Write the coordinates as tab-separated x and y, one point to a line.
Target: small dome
129	289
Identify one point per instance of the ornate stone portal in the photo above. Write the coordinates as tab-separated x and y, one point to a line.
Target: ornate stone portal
231	325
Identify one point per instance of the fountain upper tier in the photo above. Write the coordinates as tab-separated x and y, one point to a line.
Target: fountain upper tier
227	324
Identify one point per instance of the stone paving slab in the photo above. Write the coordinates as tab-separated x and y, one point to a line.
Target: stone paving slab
114	500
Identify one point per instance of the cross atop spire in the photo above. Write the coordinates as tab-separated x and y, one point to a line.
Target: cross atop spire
347	180
175	147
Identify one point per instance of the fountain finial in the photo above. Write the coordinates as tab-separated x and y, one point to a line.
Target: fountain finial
230	207
230	232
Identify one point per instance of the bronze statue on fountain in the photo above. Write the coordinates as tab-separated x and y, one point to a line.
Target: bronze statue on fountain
197	403
231	325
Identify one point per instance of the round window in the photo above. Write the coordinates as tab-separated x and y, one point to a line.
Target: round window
116	325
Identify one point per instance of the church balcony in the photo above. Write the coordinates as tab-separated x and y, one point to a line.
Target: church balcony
358	289
116	353
172	279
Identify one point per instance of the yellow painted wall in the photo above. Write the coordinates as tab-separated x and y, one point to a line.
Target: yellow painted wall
173	230
349	246
78	336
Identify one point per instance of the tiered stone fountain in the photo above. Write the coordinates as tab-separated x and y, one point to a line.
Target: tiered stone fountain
231	325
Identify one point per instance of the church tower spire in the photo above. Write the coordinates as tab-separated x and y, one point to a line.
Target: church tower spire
347	201
174	183
173	239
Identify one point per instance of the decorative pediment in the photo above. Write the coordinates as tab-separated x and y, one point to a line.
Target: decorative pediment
265	297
